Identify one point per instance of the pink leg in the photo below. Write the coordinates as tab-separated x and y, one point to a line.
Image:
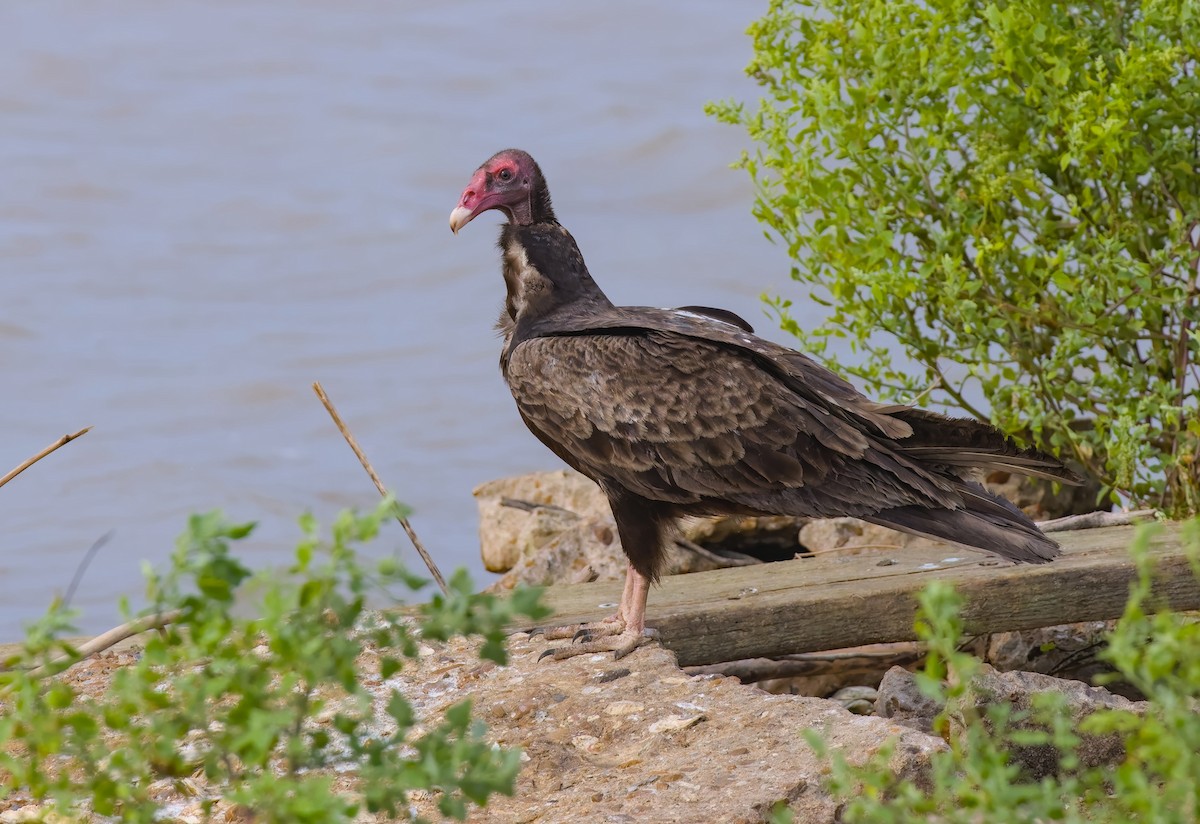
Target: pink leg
611	625
621	634
633	604
626	595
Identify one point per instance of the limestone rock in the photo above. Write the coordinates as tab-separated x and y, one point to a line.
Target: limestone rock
901	701
519	515
1065	651
588	550
1081	700
556	527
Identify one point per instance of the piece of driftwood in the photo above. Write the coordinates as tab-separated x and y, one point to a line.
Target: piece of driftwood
832	602
86	648
719	558
1094	520
872	658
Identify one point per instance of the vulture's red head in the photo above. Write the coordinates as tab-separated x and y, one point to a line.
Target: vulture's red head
511	182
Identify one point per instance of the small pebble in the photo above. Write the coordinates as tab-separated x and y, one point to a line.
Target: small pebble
587	743
624	708
611	675
675	723
858	700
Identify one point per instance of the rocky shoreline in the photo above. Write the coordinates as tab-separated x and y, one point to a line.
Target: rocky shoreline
640	740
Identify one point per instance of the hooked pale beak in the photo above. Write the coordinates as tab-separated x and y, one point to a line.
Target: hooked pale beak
459	218
475	199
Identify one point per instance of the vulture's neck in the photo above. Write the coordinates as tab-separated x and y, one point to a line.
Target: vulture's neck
547	280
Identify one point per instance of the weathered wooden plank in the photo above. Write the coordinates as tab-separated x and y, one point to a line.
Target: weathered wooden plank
831	602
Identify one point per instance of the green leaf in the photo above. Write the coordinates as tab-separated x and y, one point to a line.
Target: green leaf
401	711
389	666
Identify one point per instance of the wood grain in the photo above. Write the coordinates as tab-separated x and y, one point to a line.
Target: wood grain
832	602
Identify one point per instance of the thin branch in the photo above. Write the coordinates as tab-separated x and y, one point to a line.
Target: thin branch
63	441
1094	520
362	458
108	639
723	560
531	506
924	393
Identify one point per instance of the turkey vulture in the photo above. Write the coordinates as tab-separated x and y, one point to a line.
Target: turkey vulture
677	412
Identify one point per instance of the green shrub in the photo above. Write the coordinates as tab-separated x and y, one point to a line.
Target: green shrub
259	705
1010	191
979	781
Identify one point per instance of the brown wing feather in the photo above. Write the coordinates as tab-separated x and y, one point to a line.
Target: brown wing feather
703	426
927	438
812	383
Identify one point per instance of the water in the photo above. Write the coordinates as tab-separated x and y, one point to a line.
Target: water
206	206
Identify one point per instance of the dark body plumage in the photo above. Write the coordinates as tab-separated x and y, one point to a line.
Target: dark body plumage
684	412
676	414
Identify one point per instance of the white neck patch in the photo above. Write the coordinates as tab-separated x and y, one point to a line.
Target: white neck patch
521	278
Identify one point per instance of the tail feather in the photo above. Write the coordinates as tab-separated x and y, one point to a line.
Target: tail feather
988	523
1017	464
964	443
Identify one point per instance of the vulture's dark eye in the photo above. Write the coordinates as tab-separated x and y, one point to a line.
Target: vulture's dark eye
505	175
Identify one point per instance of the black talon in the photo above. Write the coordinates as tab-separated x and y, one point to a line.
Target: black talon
546	653
583	634
537	631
